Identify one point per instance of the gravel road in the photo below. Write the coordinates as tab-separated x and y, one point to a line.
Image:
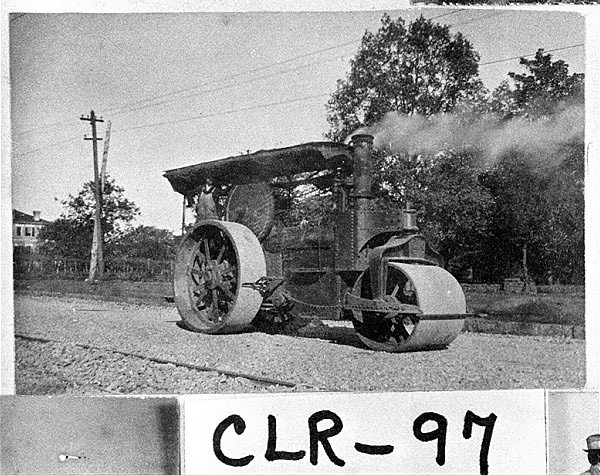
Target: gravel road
326	357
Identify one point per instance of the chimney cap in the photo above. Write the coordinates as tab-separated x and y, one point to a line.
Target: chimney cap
368	138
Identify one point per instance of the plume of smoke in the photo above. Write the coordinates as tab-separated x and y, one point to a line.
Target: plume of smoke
539	141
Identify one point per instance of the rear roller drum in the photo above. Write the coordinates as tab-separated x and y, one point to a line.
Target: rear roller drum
212	263
434	290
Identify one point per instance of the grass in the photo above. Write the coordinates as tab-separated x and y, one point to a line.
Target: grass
115	290
563	309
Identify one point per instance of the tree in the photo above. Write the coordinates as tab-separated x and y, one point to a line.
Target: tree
419	69
418	72
519	213
145	242
71	234
66	238
563	248
454	209
544	87
539	212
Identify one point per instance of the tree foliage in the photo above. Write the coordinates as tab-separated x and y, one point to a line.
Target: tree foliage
71	234
528	201
454	209
145	242
419	69
545	86
416	69
117	211
539	203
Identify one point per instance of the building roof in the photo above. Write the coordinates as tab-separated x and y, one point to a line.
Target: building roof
261	165
24	218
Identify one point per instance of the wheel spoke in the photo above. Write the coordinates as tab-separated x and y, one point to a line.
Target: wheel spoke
226	291
215	311
197	261
197	270
221	252
206	250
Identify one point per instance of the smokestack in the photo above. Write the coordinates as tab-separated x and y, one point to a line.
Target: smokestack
363	190
36	215
409	218
363	165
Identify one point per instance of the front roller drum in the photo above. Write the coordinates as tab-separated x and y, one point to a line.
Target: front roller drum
213	261
433	289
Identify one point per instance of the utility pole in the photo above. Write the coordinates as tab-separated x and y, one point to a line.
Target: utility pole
97	259
105	157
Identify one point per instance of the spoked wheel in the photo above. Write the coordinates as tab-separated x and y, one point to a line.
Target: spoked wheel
434	290
213	262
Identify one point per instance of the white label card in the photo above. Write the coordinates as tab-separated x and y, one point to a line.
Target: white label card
411	433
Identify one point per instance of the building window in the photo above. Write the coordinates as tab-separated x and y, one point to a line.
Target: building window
19	230
27	230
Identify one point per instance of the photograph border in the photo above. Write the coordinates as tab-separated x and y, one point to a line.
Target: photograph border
592	129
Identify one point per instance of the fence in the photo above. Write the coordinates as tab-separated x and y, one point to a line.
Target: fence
541	289
34	265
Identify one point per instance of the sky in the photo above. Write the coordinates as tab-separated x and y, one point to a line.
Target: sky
182	88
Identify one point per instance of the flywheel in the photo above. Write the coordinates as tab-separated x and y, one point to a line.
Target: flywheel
253	206
213	261
433	289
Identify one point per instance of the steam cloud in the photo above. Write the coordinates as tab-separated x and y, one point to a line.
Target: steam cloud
537	140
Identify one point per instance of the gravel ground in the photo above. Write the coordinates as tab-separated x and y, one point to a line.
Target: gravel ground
58	368
327	358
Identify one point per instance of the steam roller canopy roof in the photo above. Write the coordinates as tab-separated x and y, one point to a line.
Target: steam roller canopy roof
261	166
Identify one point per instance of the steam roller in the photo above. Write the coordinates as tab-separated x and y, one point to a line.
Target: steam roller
368	263
221	284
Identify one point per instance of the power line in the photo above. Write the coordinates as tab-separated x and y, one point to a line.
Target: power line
257	106
233	111
219	80
275	103
266	66
277	63
207	83
531	54
270	75
51	125
227	86
45	147
187	119
447	14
